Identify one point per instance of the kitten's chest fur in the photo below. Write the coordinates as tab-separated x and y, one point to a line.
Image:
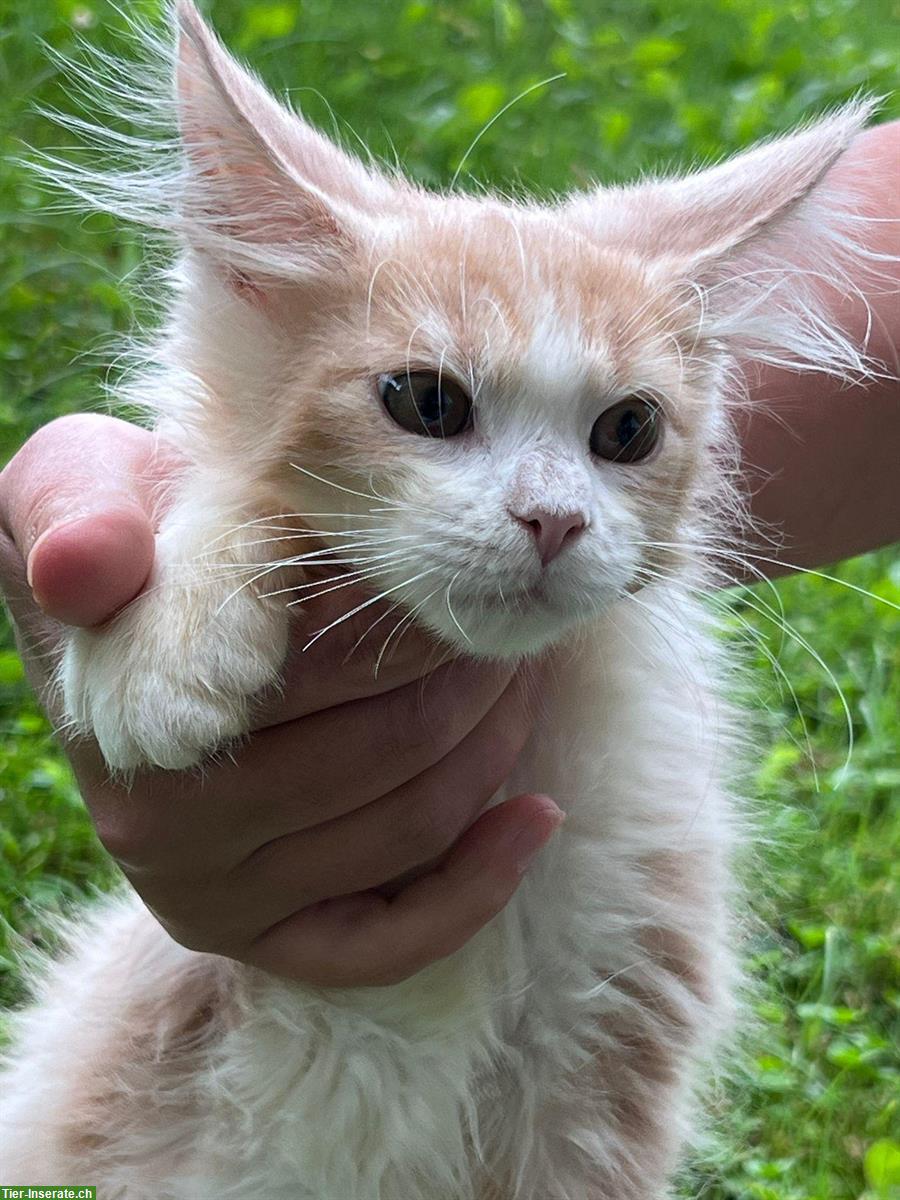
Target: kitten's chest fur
555	1047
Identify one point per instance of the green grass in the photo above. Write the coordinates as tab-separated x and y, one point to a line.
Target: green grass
810	1109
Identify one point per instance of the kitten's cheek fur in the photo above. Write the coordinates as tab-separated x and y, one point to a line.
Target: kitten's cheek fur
172	677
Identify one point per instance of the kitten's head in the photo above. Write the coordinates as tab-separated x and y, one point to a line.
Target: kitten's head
520	405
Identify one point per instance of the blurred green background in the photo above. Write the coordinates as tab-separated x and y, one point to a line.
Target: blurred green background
809	1109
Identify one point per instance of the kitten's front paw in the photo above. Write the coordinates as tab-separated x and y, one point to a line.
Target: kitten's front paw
158	688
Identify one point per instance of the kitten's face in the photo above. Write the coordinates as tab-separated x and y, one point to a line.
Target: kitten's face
577	412
332	310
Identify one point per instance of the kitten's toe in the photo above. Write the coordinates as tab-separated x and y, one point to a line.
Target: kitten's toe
147	716
182	734
156	718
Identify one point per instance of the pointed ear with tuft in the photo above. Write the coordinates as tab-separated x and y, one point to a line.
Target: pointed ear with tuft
264	194
761	237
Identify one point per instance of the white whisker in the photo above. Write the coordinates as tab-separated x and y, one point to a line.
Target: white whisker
403	624
496	117
450	608
366	603
338	486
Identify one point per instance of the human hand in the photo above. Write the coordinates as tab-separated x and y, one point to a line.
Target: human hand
341	845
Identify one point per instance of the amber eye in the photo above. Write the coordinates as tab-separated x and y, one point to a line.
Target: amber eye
426	402
627	431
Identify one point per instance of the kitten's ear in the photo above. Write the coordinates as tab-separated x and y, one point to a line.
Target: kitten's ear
755	235
710	214
264	193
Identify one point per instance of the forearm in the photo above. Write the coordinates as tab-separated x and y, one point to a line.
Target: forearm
822	459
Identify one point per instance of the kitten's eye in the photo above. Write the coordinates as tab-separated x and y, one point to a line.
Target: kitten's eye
426	403
627	431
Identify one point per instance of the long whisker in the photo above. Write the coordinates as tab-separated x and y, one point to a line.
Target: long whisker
404	623
362	637
496	117
268	522
450	608
780	562
284	563
367	603
760	641
338	486
315	559
784	678
311	558
348	534
368	566
392	505
746	559
766	611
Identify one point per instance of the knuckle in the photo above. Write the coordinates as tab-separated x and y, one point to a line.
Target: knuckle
28	479
65	428
195	919
126	834
54	441
404	961
432	716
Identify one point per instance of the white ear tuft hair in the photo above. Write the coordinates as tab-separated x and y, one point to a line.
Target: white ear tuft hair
217	160
256	174
761	238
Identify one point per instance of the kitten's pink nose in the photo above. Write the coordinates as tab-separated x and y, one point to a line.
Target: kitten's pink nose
551	530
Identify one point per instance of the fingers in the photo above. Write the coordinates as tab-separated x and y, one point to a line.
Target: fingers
206	906
352	754
78	502
402	831
315	771
369	940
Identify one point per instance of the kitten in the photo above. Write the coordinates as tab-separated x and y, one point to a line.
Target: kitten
532	402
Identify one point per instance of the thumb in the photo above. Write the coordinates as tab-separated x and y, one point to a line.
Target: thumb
77	502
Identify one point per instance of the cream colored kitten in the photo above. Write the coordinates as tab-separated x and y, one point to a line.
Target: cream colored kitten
515	418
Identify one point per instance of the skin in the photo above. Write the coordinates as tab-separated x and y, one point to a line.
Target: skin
378	867
821	457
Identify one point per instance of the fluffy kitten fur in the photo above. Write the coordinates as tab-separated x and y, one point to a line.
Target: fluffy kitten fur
552	1058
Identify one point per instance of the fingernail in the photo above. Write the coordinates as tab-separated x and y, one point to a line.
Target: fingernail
40	599
528	841
29	563
48	533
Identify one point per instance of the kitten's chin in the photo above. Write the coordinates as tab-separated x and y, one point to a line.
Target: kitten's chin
500	635
517	623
